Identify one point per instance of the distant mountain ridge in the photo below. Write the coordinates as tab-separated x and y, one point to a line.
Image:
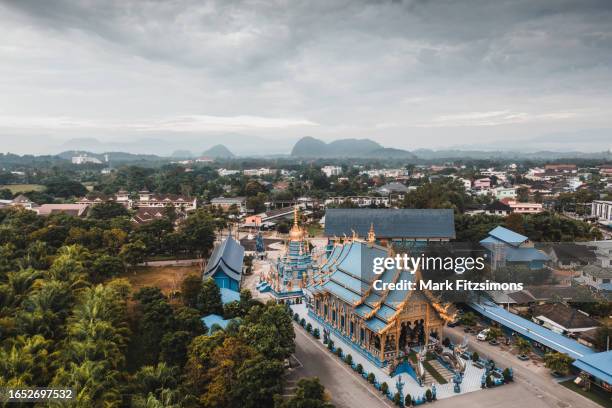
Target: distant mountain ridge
354	148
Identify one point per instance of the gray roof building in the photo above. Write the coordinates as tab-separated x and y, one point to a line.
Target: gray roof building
391	223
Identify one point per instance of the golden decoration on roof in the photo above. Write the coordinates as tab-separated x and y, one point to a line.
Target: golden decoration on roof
296	233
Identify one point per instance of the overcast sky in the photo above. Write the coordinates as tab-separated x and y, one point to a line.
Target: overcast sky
515	74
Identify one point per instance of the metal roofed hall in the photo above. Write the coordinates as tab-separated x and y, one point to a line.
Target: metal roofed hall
532	330
599	365
391	223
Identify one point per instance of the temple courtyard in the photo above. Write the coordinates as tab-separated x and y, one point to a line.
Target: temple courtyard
532	386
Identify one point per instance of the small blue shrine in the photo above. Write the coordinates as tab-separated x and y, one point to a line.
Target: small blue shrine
225	267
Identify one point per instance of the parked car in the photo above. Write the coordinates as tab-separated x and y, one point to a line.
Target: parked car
482	336
523	357
454	323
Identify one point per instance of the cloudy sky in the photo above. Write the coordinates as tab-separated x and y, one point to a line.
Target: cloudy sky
525	75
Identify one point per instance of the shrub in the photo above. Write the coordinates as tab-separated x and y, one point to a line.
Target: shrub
507	375
348	359
429	395
475	356
303	322
371	378
339	352
408	401
396	399
359	368
489	381
308	327
384	388
296	317
330	344
316	333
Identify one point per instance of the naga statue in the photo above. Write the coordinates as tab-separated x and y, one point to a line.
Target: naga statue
454	359
420	369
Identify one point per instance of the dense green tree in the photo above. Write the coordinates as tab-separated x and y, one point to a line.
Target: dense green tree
190	289
209	298
108	210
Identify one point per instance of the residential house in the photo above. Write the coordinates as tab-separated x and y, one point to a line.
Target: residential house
507	247
563	319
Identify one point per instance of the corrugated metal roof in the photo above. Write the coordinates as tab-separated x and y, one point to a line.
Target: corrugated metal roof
599	365
391	223
525	255
532	330
507	236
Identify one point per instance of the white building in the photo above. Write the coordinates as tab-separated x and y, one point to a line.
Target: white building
330	171
258	172
359	201
504	192
603	211
525	208
83	159
226	172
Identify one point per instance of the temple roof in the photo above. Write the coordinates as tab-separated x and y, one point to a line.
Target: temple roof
348	275
230	254
390	223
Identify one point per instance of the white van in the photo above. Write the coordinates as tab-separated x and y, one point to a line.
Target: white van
482	336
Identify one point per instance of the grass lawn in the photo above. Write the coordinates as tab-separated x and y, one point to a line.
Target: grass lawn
436	375
167	278
23	188
595	394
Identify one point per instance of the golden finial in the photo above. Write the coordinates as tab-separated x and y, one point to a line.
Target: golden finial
371	234
354	235
295	215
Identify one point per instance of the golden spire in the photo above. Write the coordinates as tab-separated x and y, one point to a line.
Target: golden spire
296	233
371	234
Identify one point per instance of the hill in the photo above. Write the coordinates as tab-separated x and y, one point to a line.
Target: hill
354	148
218	152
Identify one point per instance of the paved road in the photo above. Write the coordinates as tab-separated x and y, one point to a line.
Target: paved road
533	387
347	389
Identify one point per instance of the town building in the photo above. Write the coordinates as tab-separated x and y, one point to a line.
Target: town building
525	208
507	248
482	184
603	211
563	319
380	324
227	203
501	193
330	171
144	199
561	168
84	159
359	201
498	208
597	277
75	210
391	225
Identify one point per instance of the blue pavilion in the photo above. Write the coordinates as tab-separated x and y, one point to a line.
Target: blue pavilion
225	267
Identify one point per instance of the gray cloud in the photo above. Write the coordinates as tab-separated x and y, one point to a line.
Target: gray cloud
406	73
